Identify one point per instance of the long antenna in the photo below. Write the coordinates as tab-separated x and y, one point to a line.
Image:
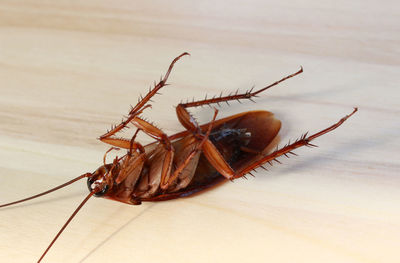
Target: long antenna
48	191
66	224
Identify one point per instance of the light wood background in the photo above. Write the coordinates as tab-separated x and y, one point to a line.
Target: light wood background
70	69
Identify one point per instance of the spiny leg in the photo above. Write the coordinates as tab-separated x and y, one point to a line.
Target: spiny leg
130	145
165	181
106	153
135	146
189	122
151	130
219	163
303	141
157	87
138	109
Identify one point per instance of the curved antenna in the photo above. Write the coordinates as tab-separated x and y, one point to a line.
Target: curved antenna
66	224
48	191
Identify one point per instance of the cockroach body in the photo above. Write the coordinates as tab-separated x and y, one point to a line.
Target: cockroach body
187	162
232	137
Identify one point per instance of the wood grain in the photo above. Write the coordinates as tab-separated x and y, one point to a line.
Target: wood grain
70	69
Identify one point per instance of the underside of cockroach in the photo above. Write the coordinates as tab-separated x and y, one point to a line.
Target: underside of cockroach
241	139
190	161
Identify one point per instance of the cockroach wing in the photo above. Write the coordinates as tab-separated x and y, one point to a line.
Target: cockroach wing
263	128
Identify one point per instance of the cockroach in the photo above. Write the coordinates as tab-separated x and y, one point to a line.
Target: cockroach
189	161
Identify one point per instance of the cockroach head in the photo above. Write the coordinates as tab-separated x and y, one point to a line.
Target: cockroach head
100	181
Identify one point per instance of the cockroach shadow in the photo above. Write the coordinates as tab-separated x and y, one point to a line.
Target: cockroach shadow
119	230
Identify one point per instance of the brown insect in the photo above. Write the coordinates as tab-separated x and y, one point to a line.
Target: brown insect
187	162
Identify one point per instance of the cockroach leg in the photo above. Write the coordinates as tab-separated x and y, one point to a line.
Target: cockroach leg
152	131
138	109
118	142
226	170
133	146
105	154
139	106
165	182
190	123
247	95
217	160
124	143
186	119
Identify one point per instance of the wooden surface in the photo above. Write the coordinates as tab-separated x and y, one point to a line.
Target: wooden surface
70	69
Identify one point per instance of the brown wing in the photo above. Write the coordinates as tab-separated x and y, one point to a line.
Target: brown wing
264	128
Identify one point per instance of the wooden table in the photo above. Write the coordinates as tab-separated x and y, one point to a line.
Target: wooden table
70	69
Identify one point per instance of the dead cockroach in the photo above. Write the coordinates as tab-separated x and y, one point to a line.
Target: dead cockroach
187	162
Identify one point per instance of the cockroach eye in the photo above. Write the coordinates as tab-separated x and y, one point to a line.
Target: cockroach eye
90	183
